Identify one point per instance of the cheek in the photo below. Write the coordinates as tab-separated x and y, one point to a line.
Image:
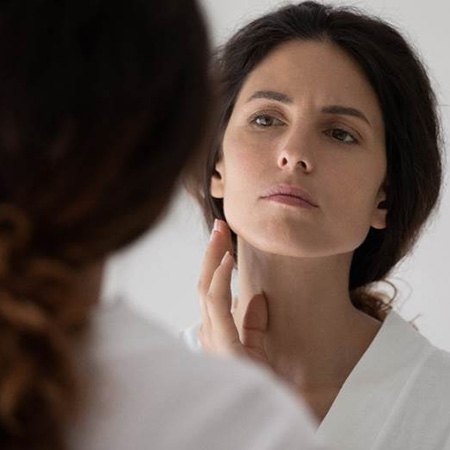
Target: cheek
240	188
244	162
241	151
244	181
351	201
355	180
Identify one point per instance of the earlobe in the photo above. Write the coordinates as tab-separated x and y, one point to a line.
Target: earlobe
217	182
379	219
380	213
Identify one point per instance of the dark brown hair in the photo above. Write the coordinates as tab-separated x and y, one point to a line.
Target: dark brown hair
412	135
101	107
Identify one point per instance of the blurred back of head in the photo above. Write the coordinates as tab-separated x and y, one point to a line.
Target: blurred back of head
102	106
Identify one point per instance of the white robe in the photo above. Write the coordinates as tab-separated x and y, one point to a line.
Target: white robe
146	391
397	397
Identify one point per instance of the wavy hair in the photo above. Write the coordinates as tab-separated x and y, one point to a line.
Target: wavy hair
412	130
102	105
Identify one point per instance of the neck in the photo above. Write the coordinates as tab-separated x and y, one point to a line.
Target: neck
315	335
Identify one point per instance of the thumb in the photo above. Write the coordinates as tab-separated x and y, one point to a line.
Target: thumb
255	323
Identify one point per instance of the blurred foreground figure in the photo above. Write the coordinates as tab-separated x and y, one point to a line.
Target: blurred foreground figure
102	106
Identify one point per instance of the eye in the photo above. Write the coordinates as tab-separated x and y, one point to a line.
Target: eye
342	136
266	121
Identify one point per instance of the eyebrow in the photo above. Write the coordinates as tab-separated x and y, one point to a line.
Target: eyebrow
346	111
271	95
332	109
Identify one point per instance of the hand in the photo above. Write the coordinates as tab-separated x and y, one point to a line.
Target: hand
218	333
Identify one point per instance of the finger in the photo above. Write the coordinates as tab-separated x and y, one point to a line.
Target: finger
225	231
206	322
220	242
255	323
213	255
218	303
210	262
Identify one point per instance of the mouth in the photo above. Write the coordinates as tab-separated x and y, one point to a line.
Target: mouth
291	195
290	200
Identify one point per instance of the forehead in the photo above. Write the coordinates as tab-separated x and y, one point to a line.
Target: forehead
315	73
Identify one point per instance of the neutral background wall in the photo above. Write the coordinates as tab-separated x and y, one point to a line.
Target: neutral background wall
158	275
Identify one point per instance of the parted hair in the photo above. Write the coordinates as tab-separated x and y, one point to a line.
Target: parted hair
102	105
409	108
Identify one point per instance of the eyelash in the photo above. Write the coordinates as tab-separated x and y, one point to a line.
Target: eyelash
354	139
254	118
253	121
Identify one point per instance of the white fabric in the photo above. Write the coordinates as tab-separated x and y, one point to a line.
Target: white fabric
396	398
147	391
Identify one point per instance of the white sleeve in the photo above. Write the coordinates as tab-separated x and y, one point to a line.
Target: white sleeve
189	337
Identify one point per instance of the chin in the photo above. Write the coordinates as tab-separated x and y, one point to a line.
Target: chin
281	247
295	246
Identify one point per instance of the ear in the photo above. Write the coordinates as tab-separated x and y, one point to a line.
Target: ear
217	186
380	211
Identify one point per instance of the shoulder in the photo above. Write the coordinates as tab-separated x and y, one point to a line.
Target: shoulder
434	373
428	365
148	390
419	418
424	398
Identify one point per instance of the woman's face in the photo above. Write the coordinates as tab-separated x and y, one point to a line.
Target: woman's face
307	117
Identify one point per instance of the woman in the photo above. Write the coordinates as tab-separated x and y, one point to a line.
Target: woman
101	107
325	170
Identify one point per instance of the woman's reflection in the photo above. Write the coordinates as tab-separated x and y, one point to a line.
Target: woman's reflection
326	168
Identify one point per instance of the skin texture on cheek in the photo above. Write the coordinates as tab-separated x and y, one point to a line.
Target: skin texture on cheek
341	227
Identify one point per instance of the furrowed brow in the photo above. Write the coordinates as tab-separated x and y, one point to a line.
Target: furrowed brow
271	95
346	111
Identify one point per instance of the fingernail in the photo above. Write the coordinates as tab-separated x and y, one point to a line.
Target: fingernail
216	225
213	231
225	257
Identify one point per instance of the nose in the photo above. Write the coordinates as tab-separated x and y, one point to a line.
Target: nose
296	152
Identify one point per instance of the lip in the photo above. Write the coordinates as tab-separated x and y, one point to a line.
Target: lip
290	194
